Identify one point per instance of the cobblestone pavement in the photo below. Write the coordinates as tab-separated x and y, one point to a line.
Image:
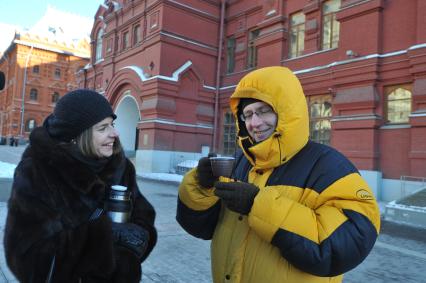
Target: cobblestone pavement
398	256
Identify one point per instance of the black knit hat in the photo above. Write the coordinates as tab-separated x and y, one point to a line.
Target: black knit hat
75	112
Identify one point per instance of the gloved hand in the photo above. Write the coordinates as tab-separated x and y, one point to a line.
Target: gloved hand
205	173
237	196
131	236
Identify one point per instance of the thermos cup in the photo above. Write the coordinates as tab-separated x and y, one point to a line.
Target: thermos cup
118	204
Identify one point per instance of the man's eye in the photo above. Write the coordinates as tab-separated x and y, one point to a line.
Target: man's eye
265	110
248	115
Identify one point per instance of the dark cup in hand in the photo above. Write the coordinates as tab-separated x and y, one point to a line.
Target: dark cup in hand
222	166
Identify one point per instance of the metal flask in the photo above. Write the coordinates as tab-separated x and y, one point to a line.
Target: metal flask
118	205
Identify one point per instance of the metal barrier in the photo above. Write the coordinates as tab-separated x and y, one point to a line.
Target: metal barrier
411	184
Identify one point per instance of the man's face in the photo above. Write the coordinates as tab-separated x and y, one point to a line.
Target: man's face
260	120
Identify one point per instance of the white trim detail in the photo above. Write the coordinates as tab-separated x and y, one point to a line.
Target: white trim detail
227	87
421	114
187	40
193	9
170	122
353	5
391	127
138	70
390	54
271	12
174	78
354	118
423	45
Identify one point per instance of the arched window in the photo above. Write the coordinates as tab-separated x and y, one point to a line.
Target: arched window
297	34
398	104
55	97
30	125
99	45
252	49
330	26
137	34
57	73
33	94
229	139
320	114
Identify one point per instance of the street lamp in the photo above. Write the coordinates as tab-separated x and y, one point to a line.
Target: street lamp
23	92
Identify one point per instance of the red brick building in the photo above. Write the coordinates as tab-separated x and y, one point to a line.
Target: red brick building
40	66
362	64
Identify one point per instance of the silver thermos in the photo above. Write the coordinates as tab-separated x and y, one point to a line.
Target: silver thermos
119	205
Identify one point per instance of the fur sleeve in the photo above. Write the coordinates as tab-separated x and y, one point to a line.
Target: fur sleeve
143	213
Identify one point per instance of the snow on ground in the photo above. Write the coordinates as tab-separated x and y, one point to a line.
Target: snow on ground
188	163
7	169
162	177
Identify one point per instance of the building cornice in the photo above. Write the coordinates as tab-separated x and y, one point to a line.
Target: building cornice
173	123
354	118
367	57
52	49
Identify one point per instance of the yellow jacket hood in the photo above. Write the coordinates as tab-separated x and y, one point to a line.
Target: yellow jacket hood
281	89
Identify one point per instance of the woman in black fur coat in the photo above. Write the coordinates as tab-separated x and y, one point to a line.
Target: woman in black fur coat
56	227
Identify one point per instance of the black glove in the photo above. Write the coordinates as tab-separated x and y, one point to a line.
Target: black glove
205	173
131	236
237	196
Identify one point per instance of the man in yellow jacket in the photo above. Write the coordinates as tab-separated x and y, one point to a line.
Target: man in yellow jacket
294	210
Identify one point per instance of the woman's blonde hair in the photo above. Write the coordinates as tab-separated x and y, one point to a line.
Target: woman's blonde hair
85	144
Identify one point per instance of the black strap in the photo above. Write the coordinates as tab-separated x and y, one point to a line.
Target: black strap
95	215
52	267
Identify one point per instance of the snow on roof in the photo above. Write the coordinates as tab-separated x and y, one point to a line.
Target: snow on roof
7	35
63	26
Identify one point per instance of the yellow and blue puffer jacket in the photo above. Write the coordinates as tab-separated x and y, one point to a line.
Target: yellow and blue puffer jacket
314	217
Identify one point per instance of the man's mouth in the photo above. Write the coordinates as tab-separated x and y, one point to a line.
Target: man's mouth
259	133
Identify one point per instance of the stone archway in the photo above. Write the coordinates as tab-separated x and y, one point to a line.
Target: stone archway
128	116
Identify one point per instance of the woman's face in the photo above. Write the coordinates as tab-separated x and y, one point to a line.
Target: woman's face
104	136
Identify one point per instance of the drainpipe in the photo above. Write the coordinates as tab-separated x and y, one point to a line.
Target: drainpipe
219	61
85	78
23	93
3	112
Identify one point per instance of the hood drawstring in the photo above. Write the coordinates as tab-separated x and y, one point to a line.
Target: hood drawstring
277	135
236	162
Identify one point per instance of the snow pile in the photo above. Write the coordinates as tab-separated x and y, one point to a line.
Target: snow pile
188	163
162	177
7	169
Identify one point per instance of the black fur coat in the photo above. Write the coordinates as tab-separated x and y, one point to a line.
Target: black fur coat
53	196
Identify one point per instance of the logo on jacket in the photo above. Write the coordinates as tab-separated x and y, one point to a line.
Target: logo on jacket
364	194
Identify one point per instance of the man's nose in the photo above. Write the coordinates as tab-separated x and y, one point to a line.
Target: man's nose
256	120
